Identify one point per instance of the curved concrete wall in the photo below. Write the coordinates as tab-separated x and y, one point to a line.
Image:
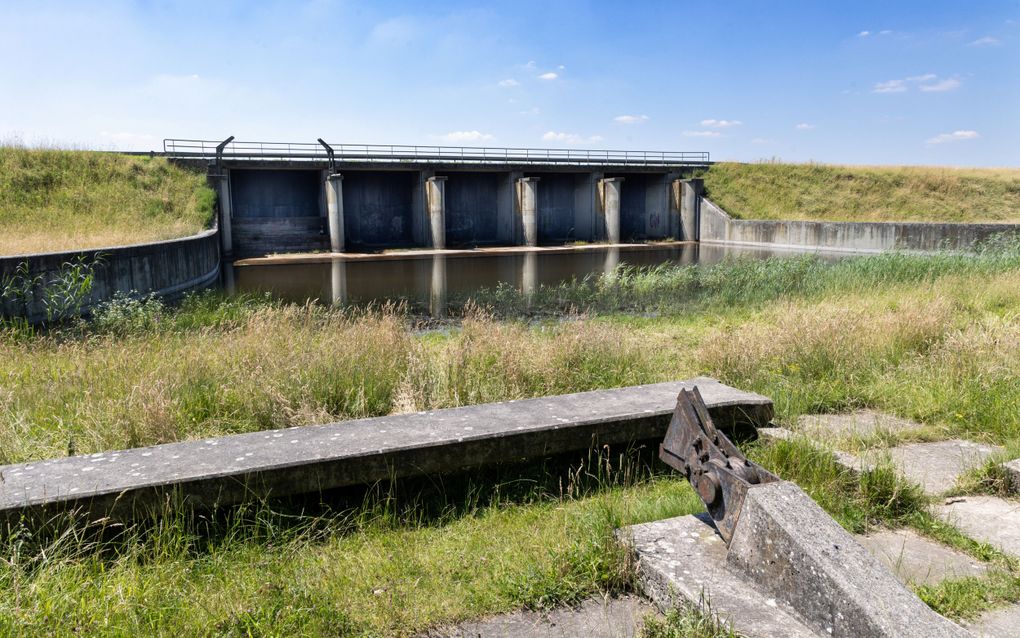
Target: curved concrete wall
716	226
166	268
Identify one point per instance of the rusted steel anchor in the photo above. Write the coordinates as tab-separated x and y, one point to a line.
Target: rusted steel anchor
715	467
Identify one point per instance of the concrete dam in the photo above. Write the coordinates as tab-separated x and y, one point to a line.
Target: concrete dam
302	197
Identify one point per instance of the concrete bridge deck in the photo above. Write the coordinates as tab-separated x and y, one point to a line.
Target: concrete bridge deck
225	470
300	197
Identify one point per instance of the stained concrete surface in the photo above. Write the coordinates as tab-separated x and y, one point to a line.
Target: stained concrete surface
225	470
682	561
915	559
620	617
999	623
789	548
989	519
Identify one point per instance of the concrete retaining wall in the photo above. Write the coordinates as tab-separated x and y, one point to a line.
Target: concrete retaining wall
716	226
166	268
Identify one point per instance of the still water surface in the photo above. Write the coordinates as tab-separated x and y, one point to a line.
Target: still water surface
426	282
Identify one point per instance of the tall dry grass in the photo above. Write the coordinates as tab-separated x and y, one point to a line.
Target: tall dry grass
773	190
52	200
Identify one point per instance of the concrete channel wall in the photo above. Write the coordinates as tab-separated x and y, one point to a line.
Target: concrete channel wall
166	268
716	226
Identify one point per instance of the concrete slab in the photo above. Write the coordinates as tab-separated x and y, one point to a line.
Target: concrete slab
849	461
790	548
989	519
936	466
594	618
918	560
860	423
225	470
1012	469
1000	623
682	561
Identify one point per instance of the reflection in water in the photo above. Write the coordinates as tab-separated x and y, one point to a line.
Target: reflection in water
612	260
338	281
437	287
427	282
529	275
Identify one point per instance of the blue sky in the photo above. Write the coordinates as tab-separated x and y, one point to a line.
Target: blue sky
851	82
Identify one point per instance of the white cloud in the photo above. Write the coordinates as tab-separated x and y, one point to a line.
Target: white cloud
885	32
530	65
804	126
987	41
927	82
464	136
892	86
721	123
955	136
549	76
863	34
570	138
509	82
942	85
561	67
630	119
702	133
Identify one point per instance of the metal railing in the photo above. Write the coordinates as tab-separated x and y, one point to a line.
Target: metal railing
314	151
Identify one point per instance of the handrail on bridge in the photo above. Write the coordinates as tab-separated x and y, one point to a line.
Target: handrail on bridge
302	151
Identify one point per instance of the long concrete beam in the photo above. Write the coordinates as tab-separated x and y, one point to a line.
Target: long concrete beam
225	470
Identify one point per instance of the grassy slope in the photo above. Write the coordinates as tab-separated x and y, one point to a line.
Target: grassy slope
59	200
936	338
769	190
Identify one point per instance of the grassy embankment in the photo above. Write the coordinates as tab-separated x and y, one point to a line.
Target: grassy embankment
772	190
52	200
935	338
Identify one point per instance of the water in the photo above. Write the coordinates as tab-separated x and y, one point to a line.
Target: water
427	281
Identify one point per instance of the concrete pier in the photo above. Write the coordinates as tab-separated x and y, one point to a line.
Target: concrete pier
226	213
528	196
435	194
610	196
690	208
335	211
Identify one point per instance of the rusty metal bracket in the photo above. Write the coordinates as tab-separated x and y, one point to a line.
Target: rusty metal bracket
716	468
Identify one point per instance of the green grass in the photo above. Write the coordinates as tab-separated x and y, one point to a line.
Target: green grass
929	337
52	200
773	190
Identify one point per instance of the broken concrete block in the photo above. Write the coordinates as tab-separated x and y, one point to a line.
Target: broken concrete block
791	549
861	423
849	461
